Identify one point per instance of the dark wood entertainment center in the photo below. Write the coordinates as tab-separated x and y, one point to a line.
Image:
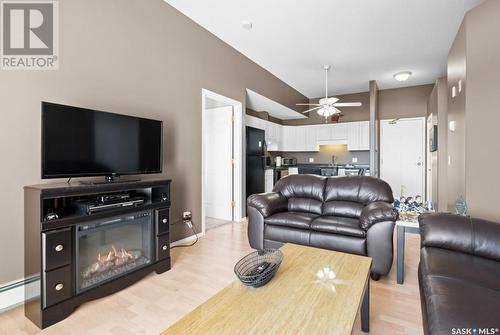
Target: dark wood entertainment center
58	249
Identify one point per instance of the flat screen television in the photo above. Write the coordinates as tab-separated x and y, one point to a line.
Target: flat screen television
79	142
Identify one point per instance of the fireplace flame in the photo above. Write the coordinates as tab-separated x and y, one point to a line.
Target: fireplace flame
114	258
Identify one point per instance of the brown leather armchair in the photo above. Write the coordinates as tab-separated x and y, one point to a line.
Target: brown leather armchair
459	274
352	214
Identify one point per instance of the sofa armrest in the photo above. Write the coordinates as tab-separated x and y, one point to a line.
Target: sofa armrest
268	203
375	212
460	233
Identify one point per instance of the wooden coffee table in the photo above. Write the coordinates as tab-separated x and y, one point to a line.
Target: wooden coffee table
315	291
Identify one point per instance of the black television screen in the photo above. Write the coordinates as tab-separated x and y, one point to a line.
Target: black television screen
79	142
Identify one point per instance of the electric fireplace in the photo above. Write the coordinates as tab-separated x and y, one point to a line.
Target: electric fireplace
110	248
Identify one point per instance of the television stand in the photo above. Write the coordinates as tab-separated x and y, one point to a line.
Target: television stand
109	180
64	251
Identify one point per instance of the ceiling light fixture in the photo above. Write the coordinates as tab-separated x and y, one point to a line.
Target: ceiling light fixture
246	24
402	76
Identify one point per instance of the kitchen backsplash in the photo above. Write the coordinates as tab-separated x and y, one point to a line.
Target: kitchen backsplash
324	156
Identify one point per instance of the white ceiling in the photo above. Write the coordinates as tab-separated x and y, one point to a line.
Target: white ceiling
261	103
362	39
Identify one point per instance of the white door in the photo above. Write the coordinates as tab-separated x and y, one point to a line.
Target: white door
218	142
402	156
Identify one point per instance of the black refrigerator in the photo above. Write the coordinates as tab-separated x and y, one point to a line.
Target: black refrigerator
256	160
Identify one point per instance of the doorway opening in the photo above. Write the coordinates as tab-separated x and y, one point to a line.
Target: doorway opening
222	122
402	156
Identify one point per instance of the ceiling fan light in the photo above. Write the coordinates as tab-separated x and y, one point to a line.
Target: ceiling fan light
402	76
326	111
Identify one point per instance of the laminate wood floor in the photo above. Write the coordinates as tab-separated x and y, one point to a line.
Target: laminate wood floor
198	272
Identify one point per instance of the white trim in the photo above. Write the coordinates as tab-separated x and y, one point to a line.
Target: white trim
238	153
19	291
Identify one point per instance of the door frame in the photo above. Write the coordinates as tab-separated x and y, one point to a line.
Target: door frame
237	153
422	119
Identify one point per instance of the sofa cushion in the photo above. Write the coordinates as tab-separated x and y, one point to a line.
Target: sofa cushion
458	291
291	219
460	266
360	189
301	186
338	225
305	205
465	234
349	209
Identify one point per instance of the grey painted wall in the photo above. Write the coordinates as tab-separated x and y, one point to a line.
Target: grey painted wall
132	57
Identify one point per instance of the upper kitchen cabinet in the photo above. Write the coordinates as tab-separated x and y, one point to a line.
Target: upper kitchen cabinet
358	136
308	138
273	136
332	133
299	138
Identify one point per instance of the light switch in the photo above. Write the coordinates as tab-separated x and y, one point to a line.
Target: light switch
355	159
311	160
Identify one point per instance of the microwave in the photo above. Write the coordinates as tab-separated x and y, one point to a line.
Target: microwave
289	161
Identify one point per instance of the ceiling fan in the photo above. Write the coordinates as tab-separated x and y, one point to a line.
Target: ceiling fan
328	106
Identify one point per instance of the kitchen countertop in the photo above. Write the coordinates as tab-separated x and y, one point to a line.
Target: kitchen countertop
320	166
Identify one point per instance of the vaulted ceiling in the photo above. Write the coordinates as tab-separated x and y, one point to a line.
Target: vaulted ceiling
362	39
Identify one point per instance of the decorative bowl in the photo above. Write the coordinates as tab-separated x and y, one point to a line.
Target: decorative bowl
259	267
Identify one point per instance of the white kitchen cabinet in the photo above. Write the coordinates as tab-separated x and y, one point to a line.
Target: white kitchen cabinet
299	138
364	135
311	138
324	132
289	142
332	133
308	138
269	180
339	132
358	136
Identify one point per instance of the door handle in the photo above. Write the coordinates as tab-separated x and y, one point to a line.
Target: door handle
419	164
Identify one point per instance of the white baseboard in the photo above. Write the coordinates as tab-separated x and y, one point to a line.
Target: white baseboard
15	293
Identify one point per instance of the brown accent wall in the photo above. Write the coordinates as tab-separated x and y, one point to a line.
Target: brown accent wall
456	114
404	102
432	157
350	114
393	103
483	110
263	116
442	153
132	57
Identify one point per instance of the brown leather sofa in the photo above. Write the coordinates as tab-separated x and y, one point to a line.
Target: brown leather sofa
352	214
459	275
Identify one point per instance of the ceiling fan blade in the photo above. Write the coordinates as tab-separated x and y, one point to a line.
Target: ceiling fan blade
348	104
308	104
332	100
312	109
